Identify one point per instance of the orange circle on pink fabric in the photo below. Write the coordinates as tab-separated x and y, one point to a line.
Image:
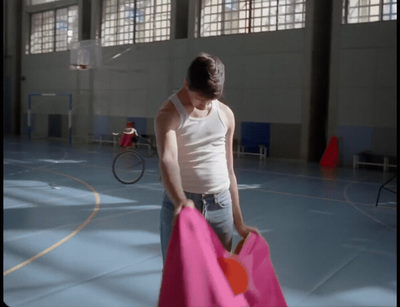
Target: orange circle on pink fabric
235	274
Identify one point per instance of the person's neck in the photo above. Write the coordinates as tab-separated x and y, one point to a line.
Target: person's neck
191	108
184	97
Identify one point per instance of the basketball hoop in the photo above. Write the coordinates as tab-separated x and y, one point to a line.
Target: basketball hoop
85	55
78	66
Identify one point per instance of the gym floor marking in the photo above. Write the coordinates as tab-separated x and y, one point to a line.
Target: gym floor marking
72	234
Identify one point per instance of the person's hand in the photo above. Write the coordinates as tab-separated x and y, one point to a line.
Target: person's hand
244	230
187	203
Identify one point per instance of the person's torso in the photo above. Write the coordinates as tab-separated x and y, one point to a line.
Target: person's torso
201	150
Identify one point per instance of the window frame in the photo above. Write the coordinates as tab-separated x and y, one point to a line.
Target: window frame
39	2
114	18
254	13
366	6
53	39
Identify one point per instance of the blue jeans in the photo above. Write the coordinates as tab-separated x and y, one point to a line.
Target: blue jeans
216	208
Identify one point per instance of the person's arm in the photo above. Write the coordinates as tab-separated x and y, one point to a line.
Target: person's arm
240	226
165	124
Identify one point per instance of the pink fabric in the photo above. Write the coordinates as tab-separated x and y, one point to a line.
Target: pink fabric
264	288
193	276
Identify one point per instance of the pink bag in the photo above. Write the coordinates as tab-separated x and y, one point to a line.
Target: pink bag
198	270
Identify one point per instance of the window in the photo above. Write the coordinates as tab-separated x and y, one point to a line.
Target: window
358	11
35	2
66	27
53	30
389	10
291	14
222	17
135	21
42	32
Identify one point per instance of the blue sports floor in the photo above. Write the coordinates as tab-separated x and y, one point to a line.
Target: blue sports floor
74	236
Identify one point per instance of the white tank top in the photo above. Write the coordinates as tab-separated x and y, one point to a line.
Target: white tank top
201	151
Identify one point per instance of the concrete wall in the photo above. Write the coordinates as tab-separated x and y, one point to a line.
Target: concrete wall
270	77
363	87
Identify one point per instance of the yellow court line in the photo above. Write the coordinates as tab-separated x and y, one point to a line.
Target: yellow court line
65	239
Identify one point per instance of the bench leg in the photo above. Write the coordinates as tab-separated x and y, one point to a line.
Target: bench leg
263	152
385	164
355	161
240	150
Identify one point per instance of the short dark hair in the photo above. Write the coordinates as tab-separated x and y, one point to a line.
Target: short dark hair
206	75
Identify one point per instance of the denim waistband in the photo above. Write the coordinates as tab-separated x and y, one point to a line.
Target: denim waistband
206	195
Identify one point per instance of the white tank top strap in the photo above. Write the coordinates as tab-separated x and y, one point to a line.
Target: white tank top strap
179	107
217	109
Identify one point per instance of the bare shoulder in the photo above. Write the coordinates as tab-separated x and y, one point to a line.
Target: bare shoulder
167	115
166	106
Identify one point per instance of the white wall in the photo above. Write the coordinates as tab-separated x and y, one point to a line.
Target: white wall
268	79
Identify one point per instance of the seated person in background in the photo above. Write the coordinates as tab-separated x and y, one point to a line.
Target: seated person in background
129	137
